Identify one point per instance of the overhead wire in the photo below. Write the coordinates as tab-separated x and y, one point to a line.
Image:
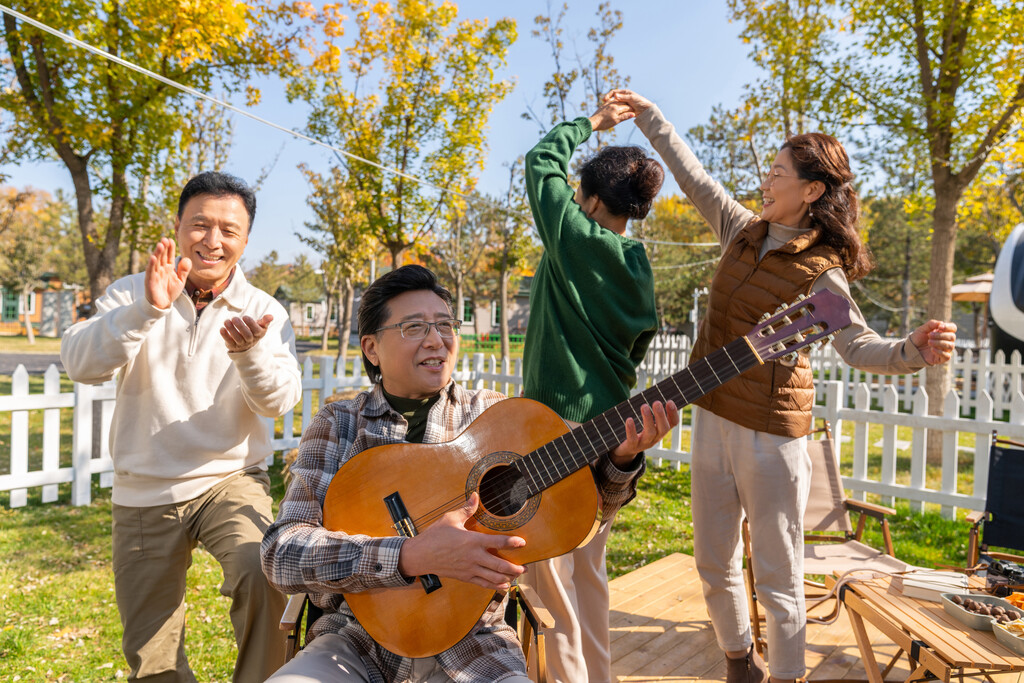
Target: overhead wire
259	119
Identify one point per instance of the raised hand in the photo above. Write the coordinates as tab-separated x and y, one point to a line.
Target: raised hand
241	334
164	282
447	548
638	104
609	115
935	340
657	421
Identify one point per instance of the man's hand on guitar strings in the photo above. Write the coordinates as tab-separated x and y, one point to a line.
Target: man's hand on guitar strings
448	549
658	419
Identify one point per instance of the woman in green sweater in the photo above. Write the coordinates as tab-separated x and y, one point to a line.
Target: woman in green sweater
592	317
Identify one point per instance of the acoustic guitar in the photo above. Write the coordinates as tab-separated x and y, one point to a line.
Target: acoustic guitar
532	474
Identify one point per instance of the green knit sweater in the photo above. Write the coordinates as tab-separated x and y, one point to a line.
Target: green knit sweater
592	311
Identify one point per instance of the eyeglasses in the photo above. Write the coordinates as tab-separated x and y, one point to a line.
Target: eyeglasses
774	174
418	329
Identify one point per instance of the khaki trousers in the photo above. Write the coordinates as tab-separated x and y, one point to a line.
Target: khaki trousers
332	658
574	588
152	553
734	471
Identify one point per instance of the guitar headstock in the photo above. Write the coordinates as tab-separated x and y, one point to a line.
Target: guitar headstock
810	319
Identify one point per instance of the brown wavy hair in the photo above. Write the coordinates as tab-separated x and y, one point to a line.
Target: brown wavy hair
817	156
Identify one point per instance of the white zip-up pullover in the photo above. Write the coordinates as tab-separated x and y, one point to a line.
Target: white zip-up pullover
188	412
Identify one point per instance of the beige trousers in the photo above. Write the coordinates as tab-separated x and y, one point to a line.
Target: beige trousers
737	471
574	588
152	553
332	658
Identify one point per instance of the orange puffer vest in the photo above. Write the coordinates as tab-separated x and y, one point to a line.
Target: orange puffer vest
773	397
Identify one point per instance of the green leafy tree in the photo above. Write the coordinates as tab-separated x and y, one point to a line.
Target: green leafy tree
414	94
340	235
678	270
736	147
942	80
896	290
268	274
460	243
103	121
203	143
512	251
303	283
29	224
580	80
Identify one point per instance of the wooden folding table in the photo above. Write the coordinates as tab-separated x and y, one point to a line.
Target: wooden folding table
938	645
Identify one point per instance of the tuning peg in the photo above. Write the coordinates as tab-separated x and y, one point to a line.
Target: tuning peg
790	357
764	317
801	297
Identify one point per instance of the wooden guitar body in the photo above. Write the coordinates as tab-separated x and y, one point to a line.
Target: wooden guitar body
433	479
547	496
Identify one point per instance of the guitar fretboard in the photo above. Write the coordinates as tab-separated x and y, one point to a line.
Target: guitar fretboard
573	451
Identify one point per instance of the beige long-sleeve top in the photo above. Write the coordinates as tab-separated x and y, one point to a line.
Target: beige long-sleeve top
858	345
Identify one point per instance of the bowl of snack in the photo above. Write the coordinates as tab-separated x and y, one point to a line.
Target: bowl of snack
1010	634
979	611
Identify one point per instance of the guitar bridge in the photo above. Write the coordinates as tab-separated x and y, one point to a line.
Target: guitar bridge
405	527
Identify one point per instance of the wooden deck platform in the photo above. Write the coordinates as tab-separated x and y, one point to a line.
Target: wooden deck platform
660	631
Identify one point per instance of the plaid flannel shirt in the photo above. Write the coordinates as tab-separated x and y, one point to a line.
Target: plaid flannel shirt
300	555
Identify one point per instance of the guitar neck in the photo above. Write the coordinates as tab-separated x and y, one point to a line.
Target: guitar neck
581	446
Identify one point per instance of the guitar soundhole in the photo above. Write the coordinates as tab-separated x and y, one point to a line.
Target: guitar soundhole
503	491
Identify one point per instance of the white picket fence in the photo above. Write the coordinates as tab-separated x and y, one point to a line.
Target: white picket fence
987	397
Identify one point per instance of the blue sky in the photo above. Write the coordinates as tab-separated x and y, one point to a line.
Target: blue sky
683	54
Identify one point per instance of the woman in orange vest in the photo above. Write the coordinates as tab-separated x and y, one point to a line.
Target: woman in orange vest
749	435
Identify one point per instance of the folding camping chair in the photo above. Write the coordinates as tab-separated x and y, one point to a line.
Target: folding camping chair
1001	523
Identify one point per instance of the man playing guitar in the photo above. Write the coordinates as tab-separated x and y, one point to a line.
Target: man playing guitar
409	342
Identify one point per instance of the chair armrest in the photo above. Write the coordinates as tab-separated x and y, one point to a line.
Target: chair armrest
870	509
533	608
976	516
292	612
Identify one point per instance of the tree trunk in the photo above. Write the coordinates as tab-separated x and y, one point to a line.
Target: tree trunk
940	305
346	298
396	251
30	334
460	299
325	336
503	315
135	250
905	313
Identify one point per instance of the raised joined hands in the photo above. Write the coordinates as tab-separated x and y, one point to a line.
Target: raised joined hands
635	103
609	115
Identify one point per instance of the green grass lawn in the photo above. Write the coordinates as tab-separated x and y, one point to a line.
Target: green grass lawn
19	344
59	621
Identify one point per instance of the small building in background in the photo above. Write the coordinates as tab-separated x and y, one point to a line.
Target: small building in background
52	308
480	318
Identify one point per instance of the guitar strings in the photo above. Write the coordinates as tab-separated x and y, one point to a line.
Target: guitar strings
726	366
498	498
719	363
